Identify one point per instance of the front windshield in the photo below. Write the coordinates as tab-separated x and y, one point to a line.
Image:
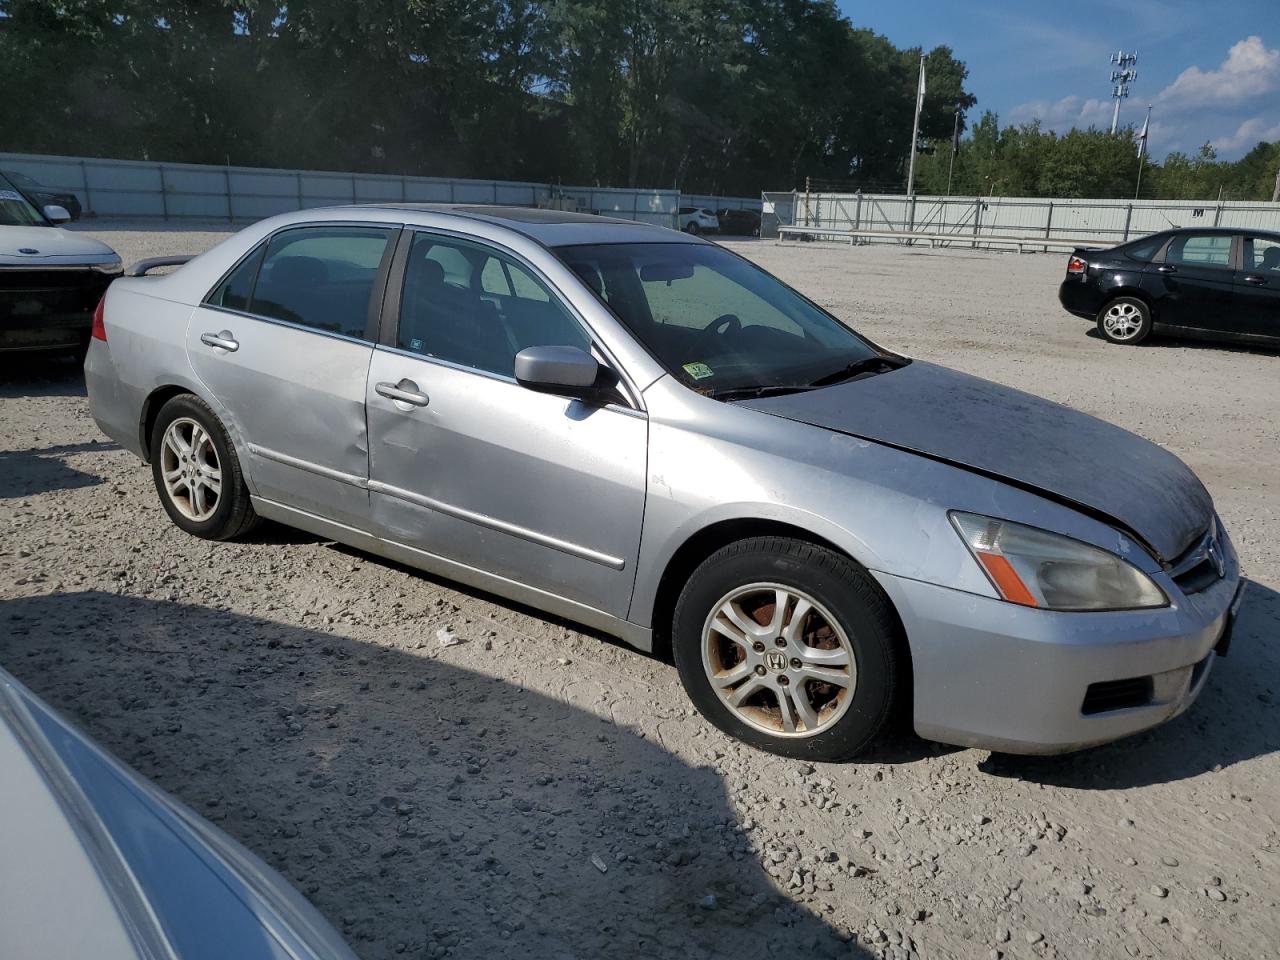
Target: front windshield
15	209
715	321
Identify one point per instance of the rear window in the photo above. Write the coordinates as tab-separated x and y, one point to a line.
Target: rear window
1144	250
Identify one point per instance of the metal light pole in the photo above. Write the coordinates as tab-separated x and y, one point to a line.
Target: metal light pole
955	148
1121	77
915	132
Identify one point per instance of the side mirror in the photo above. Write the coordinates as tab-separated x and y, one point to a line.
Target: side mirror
56	214
564	371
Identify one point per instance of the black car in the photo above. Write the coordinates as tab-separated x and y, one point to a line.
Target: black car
739	223
43	196
1218	284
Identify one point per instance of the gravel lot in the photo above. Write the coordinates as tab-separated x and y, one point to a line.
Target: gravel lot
538	792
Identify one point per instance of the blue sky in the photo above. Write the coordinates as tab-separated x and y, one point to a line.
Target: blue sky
1211	68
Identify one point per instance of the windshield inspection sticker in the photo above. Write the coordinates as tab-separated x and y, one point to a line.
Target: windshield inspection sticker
699	371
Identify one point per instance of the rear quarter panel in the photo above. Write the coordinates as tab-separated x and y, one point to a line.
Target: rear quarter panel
145	351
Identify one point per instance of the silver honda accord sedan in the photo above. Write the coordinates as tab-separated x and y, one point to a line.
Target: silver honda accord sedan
642	432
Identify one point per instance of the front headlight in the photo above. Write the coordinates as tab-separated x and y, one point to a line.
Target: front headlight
1040	569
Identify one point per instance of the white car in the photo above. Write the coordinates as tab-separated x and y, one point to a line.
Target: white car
50	279
697	220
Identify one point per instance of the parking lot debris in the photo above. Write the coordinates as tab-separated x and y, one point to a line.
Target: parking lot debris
598	863
448	638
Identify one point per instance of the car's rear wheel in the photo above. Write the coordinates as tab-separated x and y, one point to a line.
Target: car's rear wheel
197	473
692	228
788	646
1125	320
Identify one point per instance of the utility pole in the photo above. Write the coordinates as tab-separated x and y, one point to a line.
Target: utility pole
915	132
1121	77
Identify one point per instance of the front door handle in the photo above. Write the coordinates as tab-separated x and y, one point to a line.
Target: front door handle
1167	268
406	391
1255	279
225	340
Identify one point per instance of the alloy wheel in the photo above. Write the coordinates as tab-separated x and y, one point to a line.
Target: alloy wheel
190	469
779	660
1122	321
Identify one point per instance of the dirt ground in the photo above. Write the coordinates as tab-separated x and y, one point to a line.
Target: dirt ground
537	791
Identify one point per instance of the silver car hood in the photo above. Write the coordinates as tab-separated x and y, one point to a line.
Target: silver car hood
1021	439
95	861
53	245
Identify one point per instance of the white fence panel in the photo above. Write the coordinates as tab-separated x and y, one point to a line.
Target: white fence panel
132	188
1089	221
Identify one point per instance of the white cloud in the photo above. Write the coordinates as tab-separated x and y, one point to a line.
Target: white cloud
1233	105
1250	70
1247	134
1063	114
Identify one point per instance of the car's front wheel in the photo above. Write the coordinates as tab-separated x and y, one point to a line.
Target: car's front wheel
788	646
197	473
1125	320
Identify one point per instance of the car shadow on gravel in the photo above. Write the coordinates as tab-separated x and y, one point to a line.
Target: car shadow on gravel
1236	718
1159	340
40	375
26	473
428	810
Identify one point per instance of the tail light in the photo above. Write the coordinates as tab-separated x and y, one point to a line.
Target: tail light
99	330
1076	266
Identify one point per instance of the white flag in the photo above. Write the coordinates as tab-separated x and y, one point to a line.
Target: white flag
920	90
1142	136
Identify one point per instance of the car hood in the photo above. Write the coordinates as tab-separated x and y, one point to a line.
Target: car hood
1033	443
101	863
53	245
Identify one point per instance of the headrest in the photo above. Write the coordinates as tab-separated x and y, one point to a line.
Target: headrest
299	271
430	273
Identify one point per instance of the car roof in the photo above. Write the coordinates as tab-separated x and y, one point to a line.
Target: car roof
552	228
1218	231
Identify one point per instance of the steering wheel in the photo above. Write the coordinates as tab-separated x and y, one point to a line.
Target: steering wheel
722	326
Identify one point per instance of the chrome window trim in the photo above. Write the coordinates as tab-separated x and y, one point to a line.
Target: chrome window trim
630	390
362	341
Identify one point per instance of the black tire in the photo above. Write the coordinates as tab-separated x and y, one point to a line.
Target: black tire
233	515
692	228
1116	321
852	597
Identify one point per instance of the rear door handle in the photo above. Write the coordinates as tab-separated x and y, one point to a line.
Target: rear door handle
406	391
225	340
1255	280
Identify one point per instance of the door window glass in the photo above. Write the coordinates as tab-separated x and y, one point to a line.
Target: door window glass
1264	255
234	291
1202	250
321	277
484	324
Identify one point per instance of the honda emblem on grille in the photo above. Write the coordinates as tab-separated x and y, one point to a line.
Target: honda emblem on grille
1214	555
